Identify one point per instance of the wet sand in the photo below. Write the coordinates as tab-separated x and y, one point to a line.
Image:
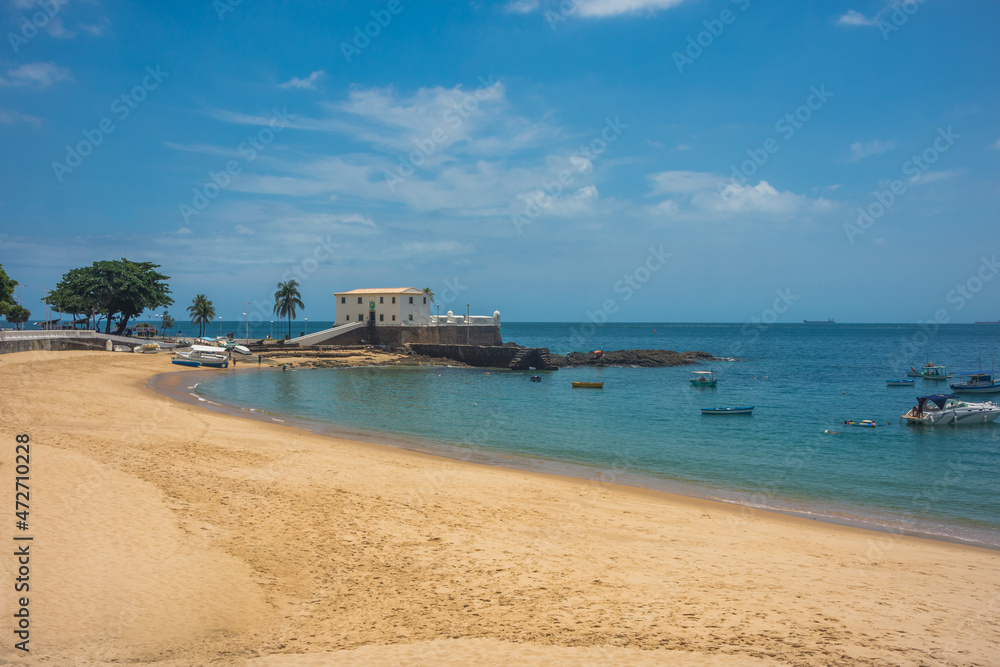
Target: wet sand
165	533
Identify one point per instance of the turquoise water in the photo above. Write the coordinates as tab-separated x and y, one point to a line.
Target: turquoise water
645	427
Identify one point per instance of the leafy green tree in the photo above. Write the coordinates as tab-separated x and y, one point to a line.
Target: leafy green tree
202	312
18	315
286	299
168	322
7	285
429	292
118	290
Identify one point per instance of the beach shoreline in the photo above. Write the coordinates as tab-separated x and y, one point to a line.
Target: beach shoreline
299	546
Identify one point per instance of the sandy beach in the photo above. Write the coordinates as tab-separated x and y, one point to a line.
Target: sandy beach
165	533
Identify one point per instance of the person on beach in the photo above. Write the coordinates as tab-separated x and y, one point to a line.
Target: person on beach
258	359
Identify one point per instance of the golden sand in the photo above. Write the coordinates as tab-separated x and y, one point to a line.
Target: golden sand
168	534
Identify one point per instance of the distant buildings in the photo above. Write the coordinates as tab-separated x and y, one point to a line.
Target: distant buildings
392	305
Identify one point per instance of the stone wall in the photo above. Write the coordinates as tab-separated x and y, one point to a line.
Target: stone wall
9	346
402	335
489	356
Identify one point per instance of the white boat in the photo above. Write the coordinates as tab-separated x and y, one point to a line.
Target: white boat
744	410
977	382
950	409
205	355
899	383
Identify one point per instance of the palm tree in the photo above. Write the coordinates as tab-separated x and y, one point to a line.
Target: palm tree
285	300
202	312
429	292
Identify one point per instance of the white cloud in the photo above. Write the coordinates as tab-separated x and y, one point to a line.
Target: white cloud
932	176
604	8
308	83
521	6
38	75
713	194
682	182
861	150
9	117
856	18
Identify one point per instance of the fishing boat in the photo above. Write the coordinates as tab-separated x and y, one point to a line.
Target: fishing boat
977	382
747	410
950	409
932	372
205	356
899	383
703	379
588	385
182	361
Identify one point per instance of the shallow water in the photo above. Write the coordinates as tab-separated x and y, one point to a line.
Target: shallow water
645	427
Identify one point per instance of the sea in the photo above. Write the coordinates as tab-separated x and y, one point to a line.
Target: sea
645	427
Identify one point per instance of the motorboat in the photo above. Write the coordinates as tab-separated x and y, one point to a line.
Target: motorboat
932	372
588	385
950	409
205	355
746	410
703	379
977	382
899	383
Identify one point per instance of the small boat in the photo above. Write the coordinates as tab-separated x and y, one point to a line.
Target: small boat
748	410
818	322
181	361
588	385
536	378
205	356
932	372
703	379
977	382
913	373
242	349
899	383
950	409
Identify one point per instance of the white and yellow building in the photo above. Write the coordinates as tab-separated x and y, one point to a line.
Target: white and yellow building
393	306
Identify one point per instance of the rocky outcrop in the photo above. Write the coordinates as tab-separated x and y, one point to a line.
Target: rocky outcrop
641	358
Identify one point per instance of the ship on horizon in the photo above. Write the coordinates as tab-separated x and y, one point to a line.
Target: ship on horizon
818	322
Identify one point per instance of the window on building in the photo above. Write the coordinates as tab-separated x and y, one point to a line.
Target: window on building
425	299
381	299
411	299
361	317
381	318
359	300
348	318
393	318
394	299
411	317
343	299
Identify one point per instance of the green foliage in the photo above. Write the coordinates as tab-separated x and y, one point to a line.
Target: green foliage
286	299
7	285
168	322
115	289
429	292
17	314
202	312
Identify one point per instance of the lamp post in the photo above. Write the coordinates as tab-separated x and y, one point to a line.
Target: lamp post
467	311
272	330
220	326
248	325
307	325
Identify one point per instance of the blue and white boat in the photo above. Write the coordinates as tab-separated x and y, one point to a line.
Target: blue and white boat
977	382
899	383
748	410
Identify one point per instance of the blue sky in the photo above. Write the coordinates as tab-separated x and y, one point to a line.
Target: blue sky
640	160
